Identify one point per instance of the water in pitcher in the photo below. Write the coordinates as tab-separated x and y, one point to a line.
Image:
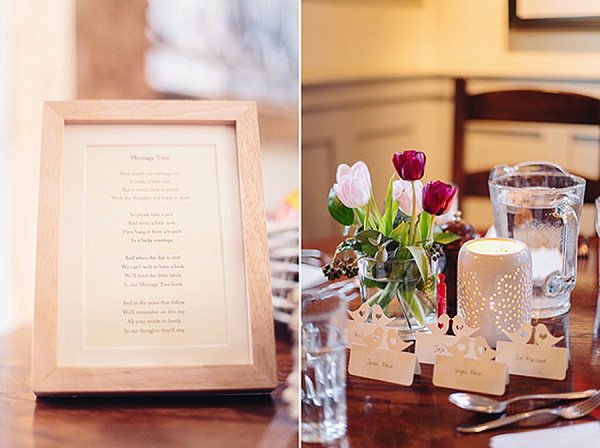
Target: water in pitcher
542	230
540	204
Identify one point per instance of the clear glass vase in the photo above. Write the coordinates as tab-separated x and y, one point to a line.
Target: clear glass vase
398	287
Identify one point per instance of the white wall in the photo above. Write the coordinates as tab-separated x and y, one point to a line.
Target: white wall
43	68
6	305
358	39
472	37
345	39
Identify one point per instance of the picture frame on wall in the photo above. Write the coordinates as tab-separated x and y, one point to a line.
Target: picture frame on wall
152	271
554	14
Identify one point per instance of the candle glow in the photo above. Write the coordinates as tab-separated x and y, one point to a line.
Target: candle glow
495	246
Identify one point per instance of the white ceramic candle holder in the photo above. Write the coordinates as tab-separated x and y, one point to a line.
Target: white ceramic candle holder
494	286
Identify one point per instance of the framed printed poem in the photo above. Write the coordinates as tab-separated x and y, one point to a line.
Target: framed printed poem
152	270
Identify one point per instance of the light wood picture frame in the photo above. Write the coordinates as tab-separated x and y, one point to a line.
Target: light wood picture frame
152	272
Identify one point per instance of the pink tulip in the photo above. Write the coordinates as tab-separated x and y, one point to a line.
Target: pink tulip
358	169
353	184
402	192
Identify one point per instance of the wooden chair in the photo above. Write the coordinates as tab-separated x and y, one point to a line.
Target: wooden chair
534	106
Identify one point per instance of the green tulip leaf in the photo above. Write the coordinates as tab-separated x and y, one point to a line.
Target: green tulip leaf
424	224
371	240
400	217
445	237
372	283
366	235
388	216
400	232
420	257
338	210
366	238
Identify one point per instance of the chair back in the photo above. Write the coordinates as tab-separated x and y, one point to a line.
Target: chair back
532	106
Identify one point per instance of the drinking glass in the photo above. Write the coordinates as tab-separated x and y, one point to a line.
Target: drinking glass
540	204
323	375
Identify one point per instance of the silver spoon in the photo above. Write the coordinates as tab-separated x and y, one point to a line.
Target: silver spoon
479	403
573	411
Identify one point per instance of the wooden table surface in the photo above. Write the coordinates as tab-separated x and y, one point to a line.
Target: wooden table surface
193	421
386	415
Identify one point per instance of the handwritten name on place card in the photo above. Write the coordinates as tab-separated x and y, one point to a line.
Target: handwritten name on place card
488	377
356	330
434	343
380	364
533	360
429	345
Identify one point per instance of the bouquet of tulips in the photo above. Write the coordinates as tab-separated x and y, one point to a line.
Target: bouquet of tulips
403	230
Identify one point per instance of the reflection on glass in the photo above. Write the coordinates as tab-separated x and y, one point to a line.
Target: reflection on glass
595	355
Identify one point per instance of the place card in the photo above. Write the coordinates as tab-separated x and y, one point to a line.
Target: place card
392	364
428	345
539	360
476	375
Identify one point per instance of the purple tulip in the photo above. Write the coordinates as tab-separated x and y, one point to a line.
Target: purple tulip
410	165
438	197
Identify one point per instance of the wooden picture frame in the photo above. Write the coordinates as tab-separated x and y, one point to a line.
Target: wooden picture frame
152	270
584	21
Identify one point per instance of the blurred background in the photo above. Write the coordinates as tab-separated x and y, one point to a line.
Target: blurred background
135	49
378	77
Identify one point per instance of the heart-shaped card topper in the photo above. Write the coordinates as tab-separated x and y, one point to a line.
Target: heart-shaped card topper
441	326
520	336
378	316
461	348
443	323
543	338
361	314
460	327
482	350
395	342
374	339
